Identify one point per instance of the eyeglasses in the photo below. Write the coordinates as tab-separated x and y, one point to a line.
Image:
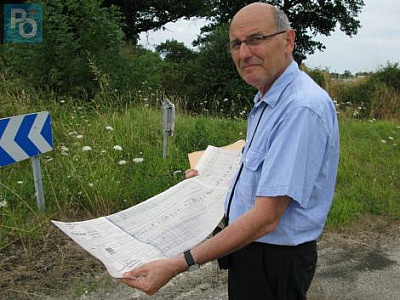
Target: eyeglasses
252	40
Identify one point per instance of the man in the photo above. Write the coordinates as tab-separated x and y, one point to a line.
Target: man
283	192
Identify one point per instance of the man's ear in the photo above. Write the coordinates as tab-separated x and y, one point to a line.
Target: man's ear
290	41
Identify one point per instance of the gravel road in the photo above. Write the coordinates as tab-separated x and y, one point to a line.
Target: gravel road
361	262
361	265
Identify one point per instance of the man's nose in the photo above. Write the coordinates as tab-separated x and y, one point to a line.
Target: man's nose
244	51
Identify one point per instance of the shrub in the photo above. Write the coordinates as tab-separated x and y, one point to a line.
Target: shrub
73	31
376	96
389	75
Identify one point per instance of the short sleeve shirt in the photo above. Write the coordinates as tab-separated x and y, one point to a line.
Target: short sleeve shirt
294	152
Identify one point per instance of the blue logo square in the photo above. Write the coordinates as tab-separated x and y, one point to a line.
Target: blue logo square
23	23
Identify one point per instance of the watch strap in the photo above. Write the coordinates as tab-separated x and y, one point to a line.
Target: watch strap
189	258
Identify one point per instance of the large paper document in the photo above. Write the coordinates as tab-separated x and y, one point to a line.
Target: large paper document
164	225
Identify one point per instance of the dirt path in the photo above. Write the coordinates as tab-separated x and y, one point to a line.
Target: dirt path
361	263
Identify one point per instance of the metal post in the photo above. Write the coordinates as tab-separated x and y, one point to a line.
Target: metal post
168	122
37	177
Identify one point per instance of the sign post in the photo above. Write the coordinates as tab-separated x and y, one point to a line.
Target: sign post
27	136
169	123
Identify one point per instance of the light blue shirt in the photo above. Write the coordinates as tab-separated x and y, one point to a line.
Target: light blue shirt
295	152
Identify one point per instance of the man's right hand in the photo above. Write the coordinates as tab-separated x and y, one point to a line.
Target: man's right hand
191	173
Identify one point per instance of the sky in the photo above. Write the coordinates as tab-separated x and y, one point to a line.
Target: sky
376	43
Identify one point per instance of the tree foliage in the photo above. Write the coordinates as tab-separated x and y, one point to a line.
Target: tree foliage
145	15
177	68
175	51
207	76
308	17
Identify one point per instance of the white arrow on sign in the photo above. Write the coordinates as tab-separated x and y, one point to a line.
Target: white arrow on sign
35	135
24	136
7	141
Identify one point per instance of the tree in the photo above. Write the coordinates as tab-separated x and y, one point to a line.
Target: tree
145	15
175	51
177	68
308	17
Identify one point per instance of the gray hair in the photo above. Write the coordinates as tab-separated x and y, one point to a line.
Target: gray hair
281	19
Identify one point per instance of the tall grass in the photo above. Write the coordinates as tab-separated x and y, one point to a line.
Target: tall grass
108	157
374	96
103	160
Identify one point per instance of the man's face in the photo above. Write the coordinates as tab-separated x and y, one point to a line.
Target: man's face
261	60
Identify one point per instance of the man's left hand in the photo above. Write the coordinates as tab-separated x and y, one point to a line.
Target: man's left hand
151	276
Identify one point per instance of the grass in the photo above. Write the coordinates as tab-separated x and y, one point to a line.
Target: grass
369	171
107	158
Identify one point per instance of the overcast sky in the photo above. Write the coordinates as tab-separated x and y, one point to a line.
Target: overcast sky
377	41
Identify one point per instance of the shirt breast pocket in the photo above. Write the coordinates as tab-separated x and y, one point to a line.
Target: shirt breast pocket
254	160
251	173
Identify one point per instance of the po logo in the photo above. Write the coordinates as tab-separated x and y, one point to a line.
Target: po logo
23	23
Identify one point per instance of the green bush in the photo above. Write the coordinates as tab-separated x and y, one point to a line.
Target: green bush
389	75
74	31
376	96
136	69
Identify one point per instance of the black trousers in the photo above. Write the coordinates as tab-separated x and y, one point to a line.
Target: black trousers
268	272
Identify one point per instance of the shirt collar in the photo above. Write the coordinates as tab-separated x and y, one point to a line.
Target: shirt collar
273	94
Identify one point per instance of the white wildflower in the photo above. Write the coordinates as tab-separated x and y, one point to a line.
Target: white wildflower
383	141
118	148
86	148
109	128
20	182
138	160
122	162
79	136
3	203
64	150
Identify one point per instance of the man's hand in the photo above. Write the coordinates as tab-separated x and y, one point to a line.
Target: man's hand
150	277
191	173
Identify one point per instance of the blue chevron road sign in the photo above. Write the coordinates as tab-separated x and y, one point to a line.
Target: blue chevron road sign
24	136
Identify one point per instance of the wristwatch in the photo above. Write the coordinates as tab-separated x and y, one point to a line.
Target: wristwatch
190	261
